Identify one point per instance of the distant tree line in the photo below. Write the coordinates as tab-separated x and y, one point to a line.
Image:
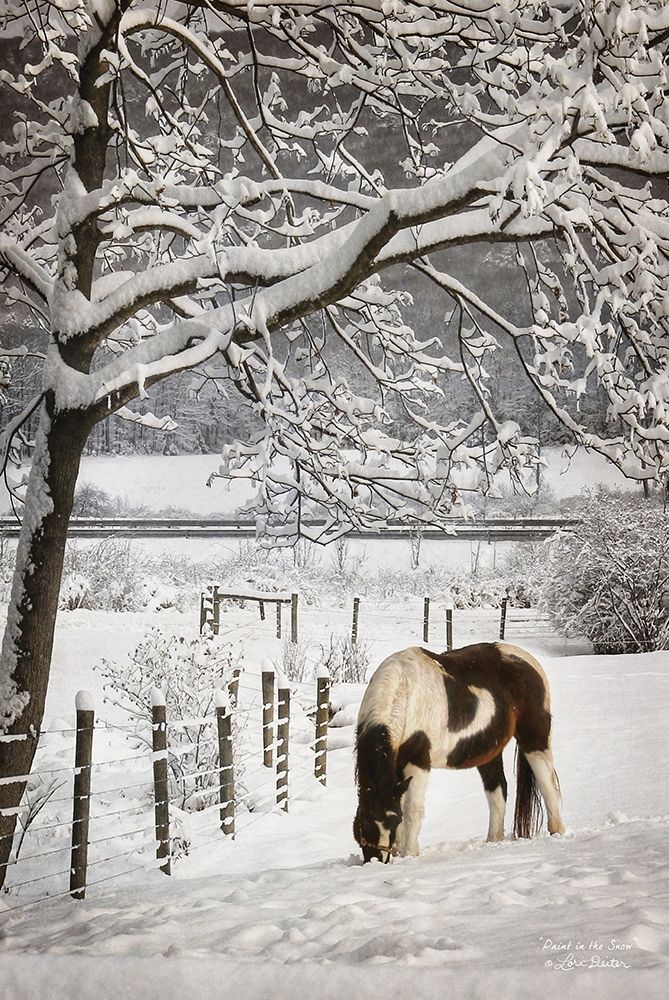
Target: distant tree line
206	410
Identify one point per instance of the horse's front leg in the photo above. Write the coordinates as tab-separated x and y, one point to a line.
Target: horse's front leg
413	810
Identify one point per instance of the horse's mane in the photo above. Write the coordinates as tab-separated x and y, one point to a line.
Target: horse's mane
375	758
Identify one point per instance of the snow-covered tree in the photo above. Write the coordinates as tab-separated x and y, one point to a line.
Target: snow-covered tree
607	578
238	186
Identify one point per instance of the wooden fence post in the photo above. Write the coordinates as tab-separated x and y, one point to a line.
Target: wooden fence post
267	716
278	619
83	761
216	612
226	774
356	614
261	608
293	617
426	619
206	608
449	628
282	737
322	719
502	618
160	781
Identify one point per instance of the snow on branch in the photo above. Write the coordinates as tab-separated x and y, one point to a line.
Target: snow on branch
20	263
240	176
147	419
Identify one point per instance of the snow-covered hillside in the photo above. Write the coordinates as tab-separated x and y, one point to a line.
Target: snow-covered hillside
288	911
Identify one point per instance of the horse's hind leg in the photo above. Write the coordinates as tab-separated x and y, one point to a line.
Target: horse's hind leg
494	783
533	735
541	762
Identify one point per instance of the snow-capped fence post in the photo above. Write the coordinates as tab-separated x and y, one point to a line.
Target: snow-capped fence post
449	628
293	617
502	617
226	776
322	719
216	612
356	615
83	762
282	737
206	608
278	619
426	619
267	716
160	780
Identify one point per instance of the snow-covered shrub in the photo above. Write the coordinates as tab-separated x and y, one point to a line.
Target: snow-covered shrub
509	502
302	569
74	592
115	575
608	577
156	595
524	570
347	662
113	572
294	661
347	570
187	671
92	501
7	556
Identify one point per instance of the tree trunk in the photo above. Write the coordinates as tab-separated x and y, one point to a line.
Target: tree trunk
28	640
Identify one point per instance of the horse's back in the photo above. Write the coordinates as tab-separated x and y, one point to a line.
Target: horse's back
498	666
459	700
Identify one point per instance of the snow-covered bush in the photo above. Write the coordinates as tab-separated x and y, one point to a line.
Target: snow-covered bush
74	592
608	577
347	662
92	501
524	571
303	569
462	589
187	671
114	575
7	556
294	661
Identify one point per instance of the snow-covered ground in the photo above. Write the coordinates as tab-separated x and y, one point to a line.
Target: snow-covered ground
287	910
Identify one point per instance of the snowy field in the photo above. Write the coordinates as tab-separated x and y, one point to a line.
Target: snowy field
163	481
288	911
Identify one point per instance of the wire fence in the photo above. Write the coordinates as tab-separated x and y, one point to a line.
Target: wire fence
229	793
429	619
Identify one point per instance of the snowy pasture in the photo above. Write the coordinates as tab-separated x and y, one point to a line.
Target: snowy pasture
287	909
162	481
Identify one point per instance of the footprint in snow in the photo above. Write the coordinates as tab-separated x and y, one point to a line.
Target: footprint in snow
411	949
653	939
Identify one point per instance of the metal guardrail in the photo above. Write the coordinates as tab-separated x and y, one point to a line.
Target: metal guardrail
489	529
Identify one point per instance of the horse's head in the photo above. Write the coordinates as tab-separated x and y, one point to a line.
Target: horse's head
377	819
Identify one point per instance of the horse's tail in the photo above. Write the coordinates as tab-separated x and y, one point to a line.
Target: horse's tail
528	814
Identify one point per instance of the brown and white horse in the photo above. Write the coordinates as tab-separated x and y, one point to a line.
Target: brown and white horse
452	710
